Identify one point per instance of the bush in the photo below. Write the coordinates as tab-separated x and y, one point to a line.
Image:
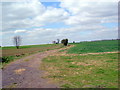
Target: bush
64	42
7	59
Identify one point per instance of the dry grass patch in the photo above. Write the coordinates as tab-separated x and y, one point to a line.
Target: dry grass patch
19	71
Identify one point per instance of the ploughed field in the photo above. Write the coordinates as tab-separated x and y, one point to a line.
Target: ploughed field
11	53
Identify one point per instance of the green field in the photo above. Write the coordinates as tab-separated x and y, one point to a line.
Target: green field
84	71
29	46
93	47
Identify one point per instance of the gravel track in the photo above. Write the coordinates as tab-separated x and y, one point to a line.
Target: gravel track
26	73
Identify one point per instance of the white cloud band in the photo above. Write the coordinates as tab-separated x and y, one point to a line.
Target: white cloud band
61	0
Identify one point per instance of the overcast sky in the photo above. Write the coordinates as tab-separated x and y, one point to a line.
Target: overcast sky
39	22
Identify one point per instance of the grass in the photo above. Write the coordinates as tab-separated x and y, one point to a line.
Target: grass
94	47
84	71
13	85
7	59
29	46
90	71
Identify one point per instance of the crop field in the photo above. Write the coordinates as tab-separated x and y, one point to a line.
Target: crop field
11	53
94	47
29	46
73	68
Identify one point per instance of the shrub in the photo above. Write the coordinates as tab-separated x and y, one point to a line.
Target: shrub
64	42
7	59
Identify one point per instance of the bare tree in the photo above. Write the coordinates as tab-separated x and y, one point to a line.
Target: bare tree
17	41
58	40
53	42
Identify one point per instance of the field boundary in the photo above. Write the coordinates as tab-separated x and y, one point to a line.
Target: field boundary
65	54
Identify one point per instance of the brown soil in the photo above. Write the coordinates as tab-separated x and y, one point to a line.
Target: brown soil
21	51
26	73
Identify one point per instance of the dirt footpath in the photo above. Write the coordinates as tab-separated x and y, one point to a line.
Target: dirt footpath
26	73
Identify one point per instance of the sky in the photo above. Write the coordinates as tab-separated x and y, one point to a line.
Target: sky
41	22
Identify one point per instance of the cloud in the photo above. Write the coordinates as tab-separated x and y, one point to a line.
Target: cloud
51	15
87	12
85	18
28	0
19	31
34	14
30	14
20	15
